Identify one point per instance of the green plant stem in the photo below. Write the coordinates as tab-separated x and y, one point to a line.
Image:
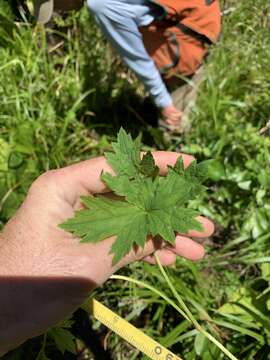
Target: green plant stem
43	347
190	315
151	288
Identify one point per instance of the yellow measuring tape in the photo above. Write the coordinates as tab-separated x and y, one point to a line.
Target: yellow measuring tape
130	333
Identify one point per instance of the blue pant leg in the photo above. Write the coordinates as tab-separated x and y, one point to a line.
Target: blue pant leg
119	21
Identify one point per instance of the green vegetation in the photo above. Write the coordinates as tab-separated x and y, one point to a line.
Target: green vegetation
152	205
64	105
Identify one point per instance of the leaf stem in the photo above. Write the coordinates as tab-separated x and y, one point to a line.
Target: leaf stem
154	290
190	315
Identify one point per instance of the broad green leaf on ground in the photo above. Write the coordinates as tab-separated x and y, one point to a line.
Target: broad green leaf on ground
150	204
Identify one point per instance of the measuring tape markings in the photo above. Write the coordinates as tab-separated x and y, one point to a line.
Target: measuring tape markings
130	333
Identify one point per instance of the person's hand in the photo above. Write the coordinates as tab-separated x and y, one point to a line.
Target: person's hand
171	116
46	273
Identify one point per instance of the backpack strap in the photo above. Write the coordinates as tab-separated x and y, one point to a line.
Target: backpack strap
188	31
175	55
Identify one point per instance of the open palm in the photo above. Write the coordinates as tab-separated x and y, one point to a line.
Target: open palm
56	272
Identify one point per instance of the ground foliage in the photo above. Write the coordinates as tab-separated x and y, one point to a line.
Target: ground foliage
67	105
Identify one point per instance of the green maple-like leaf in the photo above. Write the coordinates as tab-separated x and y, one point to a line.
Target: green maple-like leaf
150	204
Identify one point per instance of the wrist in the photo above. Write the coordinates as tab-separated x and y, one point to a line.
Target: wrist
9	328
6	266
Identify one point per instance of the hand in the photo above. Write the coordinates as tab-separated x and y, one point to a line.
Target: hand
45	273
171	116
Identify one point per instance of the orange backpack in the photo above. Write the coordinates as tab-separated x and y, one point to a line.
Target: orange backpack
180	37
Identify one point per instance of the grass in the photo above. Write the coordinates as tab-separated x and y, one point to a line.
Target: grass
67	106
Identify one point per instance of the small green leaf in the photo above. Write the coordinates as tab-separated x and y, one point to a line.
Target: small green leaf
15	160
63	339
215	170
199	343
150	205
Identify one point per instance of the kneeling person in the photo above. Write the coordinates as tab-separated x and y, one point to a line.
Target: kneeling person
159	40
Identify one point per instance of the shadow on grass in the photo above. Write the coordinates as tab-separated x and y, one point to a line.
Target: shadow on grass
106	114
